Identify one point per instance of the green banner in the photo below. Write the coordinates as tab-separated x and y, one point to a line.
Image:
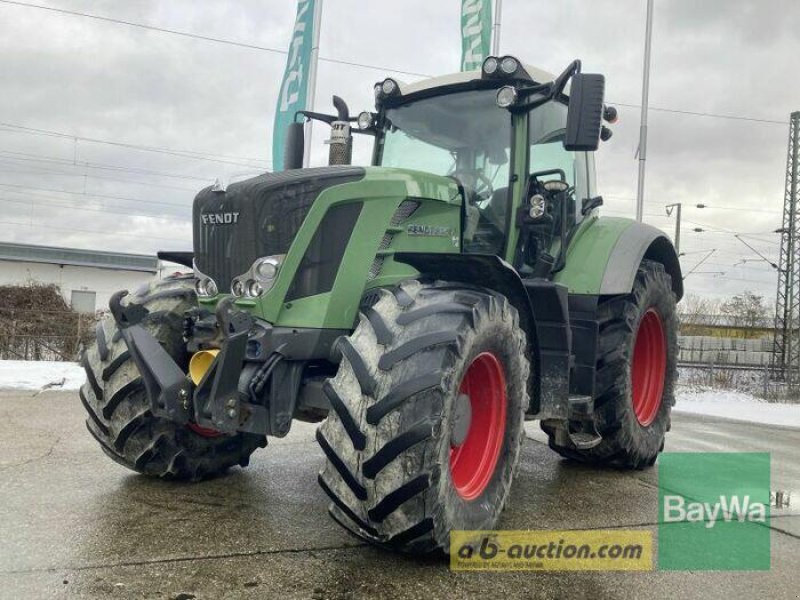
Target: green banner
476	33
294	89
714	511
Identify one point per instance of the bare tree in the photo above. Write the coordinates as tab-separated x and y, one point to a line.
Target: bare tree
747	310
698	311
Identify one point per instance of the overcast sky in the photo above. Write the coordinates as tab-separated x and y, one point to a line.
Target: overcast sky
208	108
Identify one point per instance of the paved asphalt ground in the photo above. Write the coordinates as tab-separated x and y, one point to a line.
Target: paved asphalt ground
75	524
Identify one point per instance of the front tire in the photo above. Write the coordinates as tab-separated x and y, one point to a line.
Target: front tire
119	415
636	375
428	407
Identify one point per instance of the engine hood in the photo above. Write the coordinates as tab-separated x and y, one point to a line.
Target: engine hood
256	217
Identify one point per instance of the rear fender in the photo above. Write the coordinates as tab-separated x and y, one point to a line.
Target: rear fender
605	255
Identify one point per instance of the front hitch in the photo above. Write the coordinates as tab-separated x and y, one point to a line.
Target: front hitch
167	387
217	398
222	398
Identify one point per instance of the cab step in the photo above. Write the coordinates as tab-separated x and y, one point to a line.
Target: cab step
581	414
585	441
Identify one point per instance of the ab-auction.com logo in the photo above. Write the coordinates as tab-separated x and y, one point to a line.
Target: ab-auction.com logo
714	511
544	550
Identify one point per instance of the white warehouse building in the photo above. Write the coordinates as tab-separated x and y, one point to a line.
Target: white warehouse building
87	278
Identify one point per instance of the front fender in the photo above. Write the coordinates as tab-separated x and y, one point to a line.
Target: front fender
606	253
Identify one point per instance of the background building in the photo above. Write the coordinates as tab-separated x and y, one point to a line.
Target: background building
87	278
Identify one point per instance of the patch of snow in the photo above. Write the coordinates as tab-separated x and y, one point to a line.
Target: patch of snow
737	405
40	375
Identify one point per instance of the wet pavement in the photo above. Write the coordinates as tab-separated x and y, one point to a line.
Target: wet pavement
76	524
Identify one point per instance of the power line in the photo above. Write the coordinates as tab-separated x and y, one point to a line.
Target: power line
739	266
702	260
701	206
205	38
93	195
74	230
747	280
767	260
27	156
251	46
700	114
740	254
35	170
745	210
626	212
711	229
104	210
191	154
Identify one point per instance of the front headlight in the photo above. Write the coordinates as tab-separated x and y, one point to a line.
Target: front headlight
259	278
204	286
237	287
254	288
267	268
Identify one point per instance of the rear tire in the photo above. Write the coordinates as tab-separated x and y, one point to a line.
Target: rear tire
119	415
405	463
633	401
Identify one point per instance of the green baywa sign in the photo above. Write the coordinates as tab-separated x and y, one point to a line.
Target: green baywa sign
714	511
294	89
476	33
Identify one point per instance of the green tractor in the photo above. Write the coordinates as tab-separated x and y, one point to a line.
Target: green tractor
422	308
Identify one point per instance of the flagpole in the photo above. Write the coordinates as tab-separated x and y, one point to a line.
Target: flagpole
645	101
498	11
312	79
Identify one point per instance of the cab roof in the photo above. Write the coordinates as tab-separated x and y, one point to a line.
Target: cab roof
454	79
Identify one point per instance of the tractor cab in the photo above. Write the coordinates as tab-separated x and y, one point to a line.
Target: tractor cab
518	147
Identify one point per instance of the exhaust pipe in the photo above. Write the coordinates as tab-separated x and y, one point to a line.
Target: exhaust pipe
200	363
341	142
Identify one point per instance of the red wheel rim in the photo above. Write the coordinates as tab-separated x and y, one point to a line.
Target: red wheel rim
472	463
204	431
648	367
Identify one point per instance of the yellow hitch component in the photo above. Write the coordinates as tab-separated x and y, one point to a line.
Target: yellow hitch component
200	363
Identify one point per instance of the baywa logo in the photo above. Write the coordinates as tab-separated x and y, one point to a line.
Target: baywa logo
714	511
677	509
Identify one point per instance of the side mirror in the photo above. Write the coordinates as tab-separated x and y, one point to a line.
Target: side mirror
295	147
585	114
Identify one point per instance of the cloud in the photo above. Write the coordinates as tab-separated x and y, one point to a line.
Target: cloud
106	81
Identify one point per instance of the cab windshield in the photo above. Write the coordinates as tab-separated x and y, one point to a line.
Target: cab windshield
463	135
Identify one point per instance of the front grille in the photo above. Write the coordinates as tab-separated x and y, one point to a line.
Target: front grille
255	218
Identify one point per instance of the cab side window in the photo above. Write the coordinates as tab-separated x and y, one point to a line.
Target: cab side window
546	134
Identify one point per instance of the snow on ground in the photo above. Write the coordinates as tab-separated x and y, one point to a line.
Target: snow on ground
737	405
39	375
33	375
